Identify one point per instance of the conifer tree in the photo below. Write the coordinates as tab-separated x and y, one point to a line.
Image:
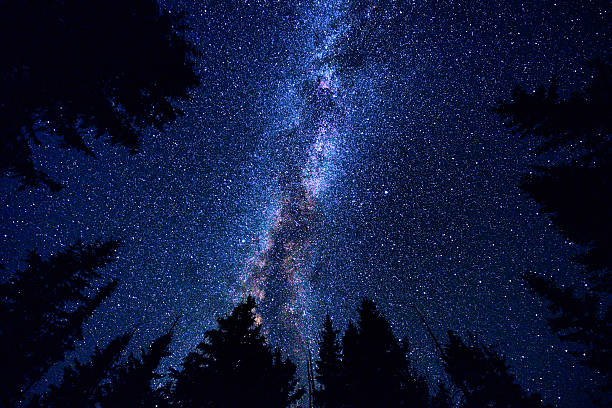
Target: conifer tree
576	194
328	368
82	383
377	370
42	310
483	376
234	367
72	69
130	383
350	367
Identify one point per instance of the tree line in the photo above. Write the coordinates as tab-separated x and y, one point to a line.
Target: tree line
44	306
233	366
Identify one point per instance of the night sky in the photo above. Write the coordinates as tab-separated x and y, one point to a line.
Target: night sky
311	183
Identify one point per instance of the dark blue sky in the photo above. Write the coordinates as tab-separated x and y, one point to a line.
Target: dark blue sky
419	203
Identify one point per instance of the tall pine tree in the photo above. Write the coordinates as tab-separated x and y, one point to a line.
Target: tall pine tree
72	69
376	367
328	368
350	366
483	376
576	194
82	383
234	367
130	383
42	310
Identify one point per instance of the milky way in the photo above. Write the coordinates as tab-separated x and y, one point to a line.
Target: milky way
335	150
281	274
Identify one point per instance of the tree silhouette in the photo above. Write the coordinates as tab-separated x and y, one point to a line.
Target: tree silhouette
376	367
70	70
483	376
234	367
350	363
105	382
130	383
82	383
576	194
442	398
328	368
42	309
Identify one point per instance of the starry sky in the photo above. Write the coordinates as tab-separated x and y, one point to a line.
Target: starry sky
331	153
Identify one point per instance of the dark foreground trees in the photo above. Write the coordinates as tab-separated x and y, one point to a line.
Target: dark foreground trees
81	384
328	368
72	69
483	376
576	194
234	367
130	384
107	380
376	367
371	369
42	310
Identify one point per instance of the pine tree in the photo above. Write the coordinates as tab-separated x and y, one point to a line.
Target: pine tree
71	69
42	310
483	376
329	368
82	383
573	192
130	383
576	194
376	367
350	363
234	367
